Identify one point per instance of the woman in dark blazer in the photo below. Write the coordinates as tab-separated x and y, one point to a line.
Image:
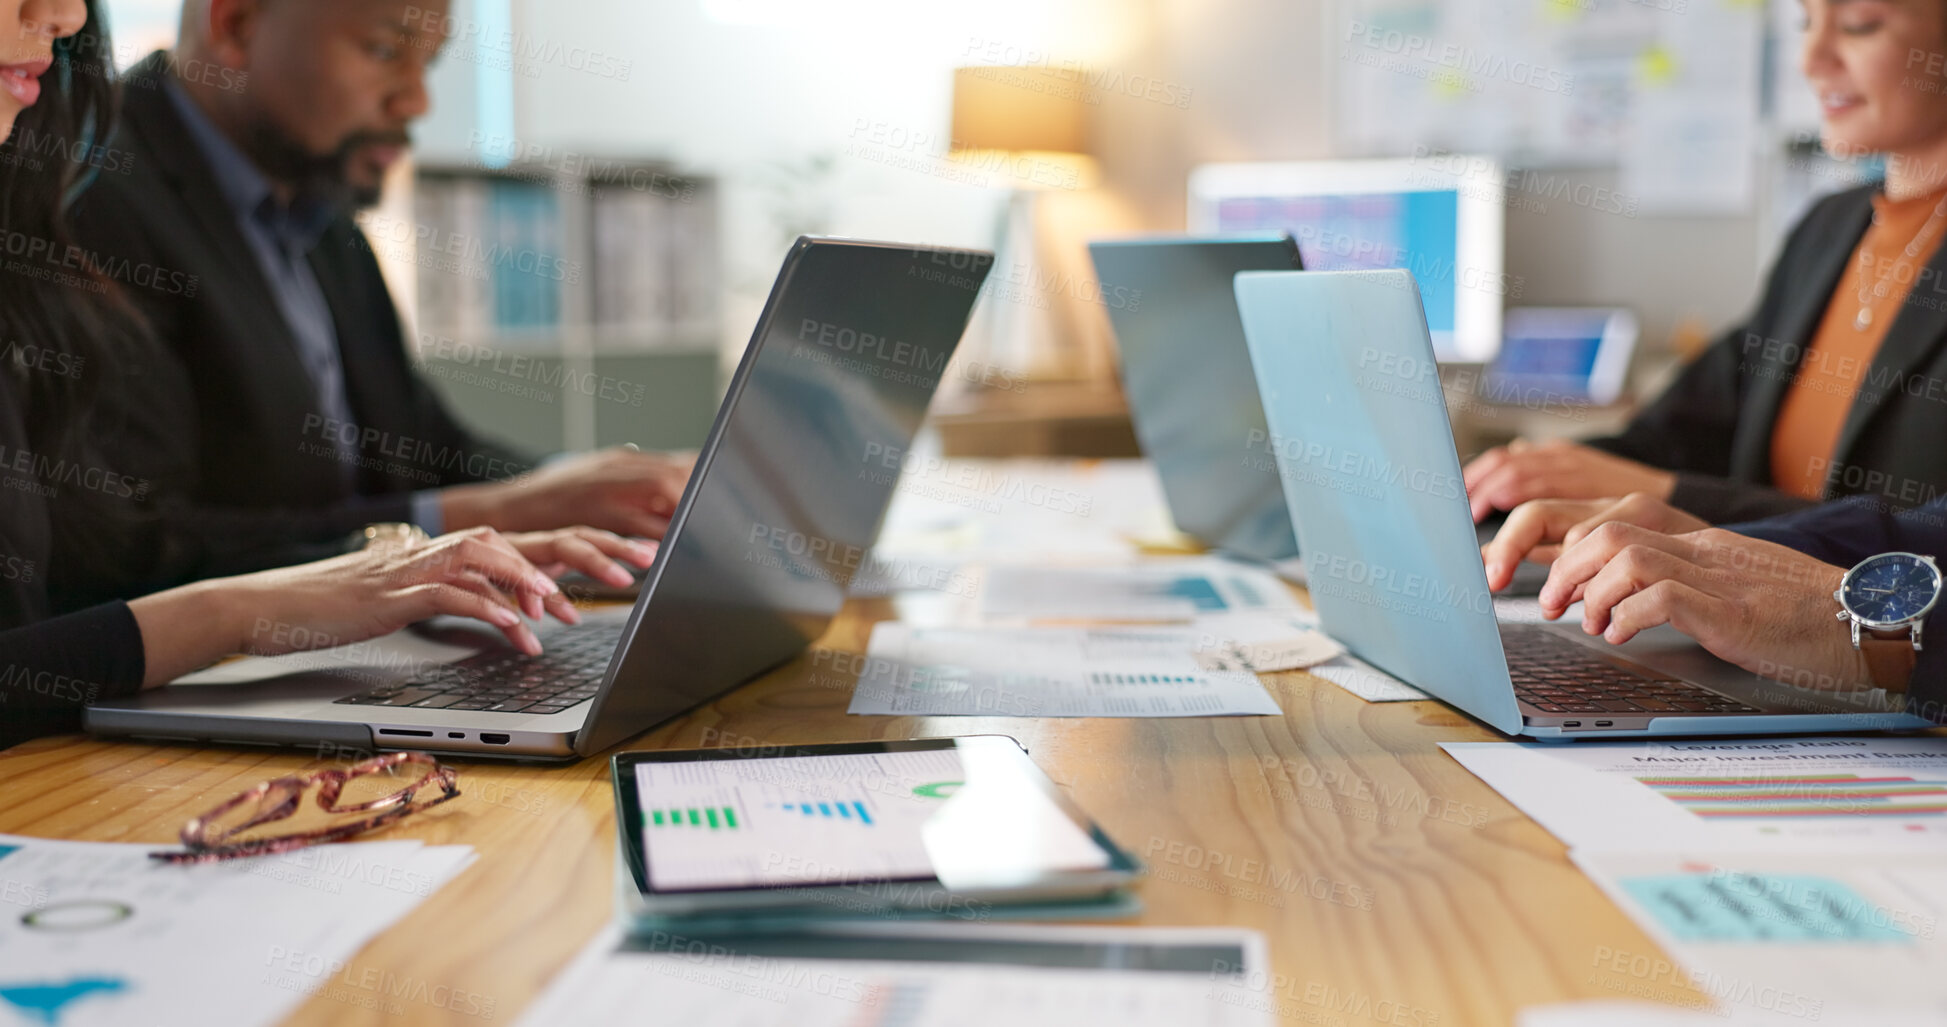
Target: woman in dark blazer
1868	423
59	334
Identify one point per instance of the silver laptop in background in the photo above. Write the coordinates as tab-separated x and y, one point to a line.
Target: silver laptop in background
1367	460
1188	378
787	497
1193	396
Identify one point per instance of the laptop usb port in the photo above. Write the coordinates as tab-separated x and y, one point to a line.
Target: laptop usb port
1571	723
495	739
1605	723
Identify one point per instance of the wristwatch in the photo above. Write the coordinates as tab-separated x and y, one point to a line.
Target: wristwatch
1885	597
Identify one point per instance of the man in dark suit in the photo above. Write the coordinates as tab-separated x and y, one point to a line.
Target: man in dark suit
280	411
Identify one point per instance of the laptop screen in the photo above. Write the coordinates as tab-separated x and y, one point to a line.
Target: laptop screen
1192	394
795	478
1359	425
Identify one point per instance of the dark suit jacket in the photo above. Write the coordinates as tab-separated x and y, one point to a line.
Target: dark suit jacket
1847	532
221	416
1713	425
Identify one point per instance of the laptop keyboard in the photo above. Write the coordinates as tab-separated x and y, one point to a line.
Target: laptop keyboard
1557	675
497	681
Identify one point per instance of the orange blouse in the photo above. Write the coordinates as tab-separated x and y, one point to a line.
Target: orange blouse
1822	390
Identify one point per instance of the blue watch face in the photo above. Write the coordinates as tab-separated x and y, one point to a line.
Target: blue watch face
1891	588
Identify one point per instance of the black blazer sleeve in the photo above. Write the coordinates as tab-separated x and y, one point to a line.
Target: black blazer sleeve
147	418
1701	424
219	415
1689	430
51	669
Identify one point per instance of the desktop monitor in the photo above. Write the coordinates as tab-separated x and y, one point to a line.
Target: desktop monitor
1437	216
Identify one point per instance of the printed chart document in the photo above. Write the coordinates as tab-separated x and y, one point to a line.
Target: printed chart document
1121	671
1861	794
961	975
99	933
949	513
1789	879
1795	935
1161	590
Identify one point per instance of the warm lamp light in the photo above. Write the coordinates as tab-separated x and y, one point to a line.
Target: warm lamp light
1027	130
1028	126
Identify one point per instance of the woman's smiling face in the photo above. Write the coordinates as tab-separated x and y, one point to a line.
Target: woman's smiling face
1879	69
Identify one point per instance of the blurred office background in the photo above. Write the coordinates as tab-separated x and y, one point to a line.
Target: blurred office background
605	188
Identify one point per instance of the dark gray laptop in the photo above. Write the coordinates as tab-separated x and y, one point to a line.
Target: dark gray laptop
1193	394
786	499
1191	391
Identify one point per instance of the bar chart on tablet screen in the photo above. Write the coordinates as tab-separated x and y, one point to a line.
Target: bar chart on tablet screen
798	820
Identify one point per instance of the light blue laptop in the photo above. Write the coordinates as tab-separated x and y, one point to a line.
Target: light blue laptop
1366	456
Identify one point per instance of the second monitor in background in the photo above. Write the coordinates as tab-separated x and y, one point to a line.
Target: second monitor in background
1191	392
1564	354
1440	216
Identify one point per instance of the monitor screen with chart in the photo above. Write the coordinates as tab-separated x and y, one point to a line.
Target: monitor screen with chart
1439	217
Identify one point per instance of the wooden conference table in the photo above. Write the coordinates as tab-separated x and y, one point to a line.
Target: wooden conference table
1393	886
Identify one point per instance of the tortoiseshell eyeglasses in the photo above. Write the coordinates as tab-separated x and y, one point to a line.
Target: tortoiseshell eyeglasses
213	836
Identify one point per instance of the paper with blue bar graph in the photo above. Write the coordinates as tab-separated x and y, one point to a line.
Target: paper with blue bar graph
1109	671
712	825
1793	876
1795	933
1159	590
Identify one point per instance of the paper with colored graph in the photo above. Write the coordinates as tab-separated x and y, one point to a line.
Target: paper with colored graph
1859	794
1110	671
96	933
1788	880
1795	934
1160	590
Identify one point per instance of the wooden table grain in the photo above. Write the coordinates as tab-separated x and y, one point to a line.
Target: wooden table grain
1394	887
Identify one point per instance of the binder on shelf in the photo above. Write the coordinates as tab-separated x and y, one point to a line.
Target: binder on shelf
695	262
524	249
633	275
498	265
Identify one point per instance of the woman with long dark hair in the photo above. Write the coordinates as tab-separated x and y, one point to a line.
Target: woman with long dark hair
63	333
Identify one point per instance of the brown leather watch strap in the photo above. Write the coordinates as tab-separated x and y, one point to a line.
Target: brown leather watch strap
1890	660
